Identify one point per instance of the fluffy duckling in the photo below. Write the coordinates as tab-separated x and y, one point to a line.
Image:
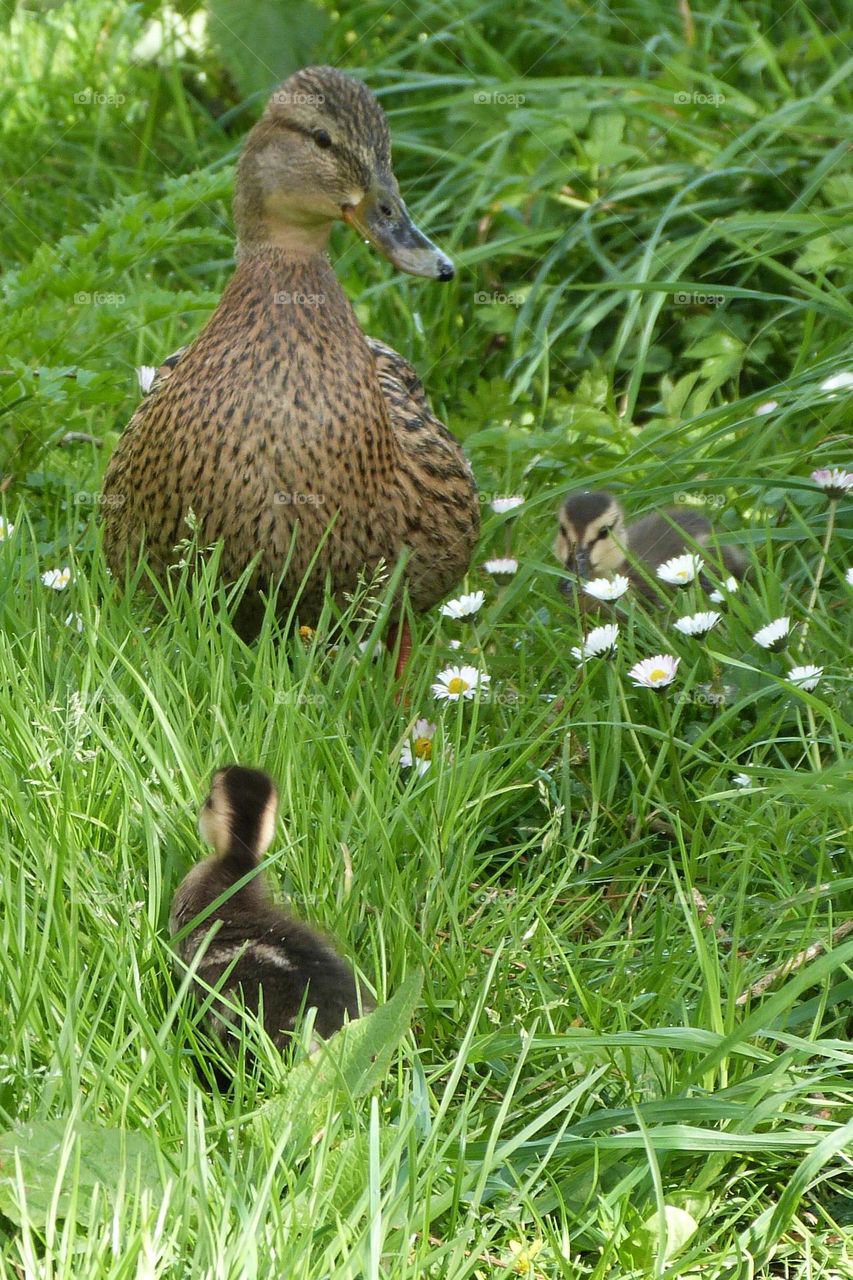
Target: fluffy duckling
594	541
306	446
273	963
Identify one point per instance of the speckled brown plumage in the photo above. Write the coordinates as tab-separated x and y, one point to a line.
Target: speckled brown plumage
291	435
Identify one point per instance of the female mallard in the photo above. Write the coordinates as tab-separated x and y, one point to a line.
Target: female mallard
302	444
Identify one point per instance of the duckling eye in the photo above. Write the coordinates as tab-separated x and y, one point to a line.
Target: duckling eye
602	533
385	210
322	138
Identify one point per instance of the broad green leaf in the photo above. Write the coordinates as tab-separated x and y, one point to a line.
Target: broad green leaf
110	1159
648	1244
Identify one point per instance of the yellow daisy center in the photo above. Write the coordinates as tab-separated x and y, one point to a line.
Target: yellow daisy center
306	633
657	674
422	748
457	685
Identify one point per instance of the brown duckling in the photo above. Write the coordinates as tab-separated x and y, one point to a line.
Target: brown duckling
295	439
594	541
261	956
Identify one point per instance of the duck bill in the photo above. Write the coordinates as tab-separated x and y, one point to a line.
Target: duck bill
383	219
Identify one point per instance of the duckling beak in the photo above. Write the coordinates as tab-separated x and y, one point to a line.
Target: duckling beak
383	219
582	563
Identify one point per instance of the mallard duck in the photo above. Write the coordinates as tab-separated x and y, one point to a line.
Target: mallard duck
291	435
594	540
256	953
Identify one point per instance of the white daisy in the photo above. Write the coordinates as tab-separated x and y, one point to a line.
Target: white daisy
807	677
742	780
502	505
145	374
607	588
730	586
775	635
842	381
465	607
655	673
600	641
417	749
680	570
459	682
835	481
57	579
454	644
6	529
504	568
74	620
697	624
767	407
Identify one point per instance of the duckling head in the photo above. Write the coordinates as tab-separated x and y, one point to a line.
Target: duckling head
322	152
239	812
591	537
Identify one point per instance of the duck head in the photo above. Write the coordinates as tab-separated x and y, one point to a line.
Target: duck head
321	152
590	539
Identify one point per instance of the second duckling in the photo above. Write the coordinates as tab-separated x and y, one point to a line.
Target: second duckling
594	540
250	948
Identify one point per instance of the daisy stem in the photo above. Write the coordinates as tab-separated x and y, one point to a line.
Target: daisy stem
821	566
629	724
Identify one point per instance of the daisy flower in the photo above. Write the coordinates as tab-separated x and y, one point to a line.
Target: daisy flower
454	683
680	570
731	585
697	624
75	621
601	641
145	375
835	481
57	579
842	381
504	568
502	505
465	606
6	529
417	749
742	780
454	644
607	588
807	677
767	407
774	636
654	673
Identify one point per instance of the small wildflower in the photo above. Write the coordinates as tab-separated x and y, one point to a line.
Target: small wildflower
465	606
57	579
459	682
306	634
697	624
523	1255
680	570
767	407
601	641
655	673
504	568
842	381
146	373
607	588
369	649
6	529
807	677
417	749
774	636
74	620
454	644
835	481
502	505
742	780
730	586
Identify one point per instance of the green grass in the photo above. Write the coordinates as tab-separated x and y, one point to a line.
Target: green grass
585	887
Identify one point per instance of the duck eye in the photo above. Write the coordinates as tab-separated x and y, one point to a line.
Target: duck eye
386	210
602	533
322	138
